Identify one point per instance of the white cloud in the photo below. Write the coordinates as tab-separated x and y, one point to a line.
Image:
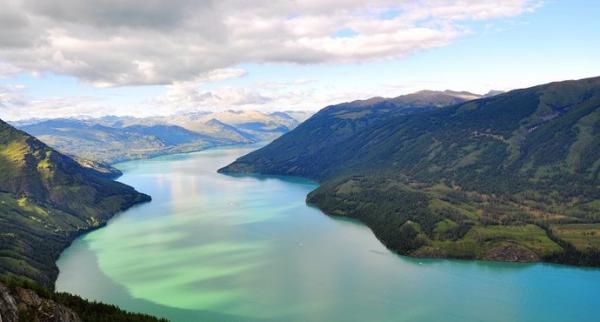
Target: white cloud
221	74
128	42
189	96
299	94
12	95
15	104
7	70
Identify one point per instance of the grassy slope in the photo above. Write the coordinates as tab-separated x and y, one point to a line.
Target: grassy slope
46	200
463	181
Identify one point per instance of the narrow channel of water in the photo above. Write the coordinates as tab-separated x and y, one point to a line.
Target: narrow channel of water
211	247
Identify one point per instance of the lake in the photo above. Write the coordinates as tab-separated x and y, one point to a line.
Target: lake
212	247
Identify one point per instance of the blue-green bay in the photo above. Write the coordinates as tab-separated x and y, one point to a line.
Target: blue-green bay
211	247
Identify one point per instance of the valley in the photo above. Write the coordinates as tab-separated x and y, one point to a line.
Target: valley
420	171
299	161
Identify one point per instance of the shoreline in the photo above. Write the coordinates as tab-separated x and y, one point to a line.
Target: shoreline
545	260
392	261
79	233
542	260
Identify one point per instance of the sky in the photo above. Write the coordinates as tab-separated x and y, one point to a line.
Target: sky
67	58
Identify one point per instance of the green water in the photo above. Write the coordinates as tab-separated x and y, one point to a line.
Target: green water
212	247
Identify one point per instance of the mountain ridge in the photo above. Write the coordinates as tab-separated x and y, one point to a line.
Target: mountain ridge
336	123
466	180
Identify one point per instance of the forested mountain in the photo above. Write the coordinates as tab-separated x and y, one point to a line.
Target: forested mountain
112	139
46	200
513	176
319	146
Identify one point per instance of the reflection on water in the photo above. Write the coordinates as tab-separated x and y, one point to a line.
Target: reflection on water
222	248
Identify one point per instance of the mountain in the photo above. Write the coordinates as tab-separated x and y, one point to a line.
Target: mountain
299	116
92	141
241	126
167	134
254	126
112	139
101	168
492	92
262	126
47	199
317	146
510	177
218	129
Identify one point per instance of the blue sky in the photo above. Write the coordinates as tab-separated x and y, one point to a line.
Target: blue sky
547	41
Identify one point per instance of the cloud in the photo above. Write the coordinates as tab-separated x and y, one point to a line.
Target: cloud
221	74
299	94
7	70
190	96
15	104
128	42
11	95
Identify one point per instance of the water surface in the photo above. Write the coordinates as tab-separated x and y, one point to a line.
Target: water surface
211	247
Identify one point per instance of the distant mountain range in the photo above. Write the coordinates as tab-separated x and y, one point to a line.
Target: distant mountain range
507	176
112	139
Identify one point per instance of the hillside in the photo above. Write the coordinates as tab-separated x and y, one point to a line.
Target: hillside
46	200
509	177
324	144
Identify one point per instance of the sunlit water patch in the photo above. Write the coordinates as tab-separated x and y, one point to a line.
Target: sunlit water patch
212	247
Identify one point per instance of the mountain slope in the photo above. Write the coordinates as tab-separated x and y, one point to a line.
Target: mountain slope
167	134
46	200
510	177
317	147
226	131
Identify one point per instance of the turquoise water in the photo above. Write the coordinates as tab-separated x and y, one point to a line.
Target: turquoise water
211	247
